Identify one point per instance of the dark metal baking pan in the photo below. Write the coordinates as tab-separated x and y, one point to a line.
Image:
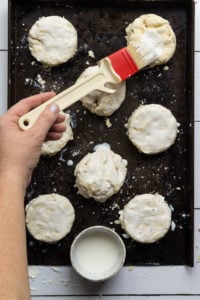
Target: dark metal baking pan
101	28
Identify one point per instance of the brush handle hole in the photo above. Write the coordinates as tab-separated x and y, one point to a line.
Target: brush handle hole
26	122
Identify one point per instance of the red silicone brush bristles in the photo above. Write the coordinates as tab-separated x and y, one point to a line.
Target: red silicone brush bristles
123	64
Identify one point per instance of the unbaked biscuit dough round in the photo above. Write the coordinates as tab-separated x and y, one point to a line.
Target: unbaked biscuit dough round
102	103
52	40
100	174
159	25
50	148
49	217
146	218
152	128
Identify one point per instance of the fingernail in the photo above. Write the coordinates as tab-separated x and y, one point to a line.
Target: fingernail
54	108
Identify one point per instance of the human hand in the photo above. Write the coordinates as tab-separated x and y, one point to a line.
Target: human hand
20	150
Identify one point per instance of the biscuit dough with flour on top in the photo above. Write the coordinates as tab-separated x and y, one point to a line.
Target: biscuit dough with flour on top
50	148
147	23
100	174
52	40
49	217
152	128
146	218
102	103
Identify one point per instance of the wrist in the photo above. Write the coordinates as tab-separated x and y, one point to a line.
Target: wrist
14	178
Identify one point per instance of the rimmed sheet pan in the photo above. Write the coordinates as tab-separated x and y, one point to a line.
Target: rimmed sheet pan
101	28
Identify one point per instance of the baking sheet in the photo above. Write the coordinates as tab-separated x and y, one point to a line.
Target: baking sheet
101	28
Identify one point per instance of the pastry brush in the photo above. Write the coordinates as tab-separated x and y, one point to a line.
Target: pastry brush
112	69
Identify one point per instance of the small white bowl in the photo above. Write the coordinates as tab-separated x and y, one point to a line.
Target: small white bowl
97	253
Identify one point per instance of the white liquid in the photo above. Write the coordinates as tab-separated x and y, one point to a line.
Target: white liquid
150	47
97	253
102	146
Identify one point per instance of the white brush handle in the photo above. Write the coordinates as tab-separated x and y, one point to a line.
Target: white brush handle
96	81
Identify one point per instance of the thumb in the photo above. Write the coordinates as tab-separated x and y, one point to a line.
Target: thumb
45	121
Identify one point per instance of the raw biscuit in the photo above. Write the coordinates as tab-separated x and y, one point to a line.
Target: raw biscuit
100	174
152	128
49	217
146	218
52	40
102	103
158	25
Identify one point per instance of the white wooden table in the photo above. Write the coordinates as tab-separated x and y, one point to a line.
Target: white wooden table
173	282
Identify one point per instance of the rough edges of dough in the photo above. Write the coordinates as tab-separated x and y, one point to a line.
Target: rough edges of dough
49	228
52	40
146	218
152	128
101	103
50	148
100	175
